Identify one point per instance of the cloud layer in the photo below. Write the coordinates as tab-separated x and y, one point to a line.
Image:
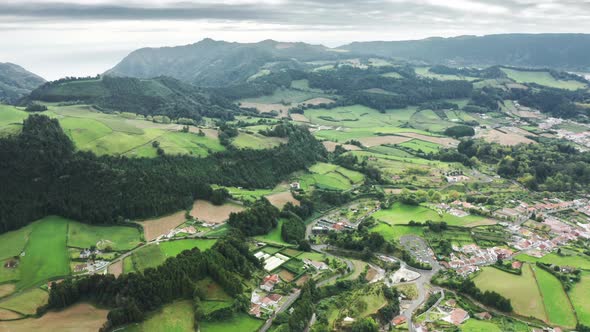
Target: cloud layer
88	36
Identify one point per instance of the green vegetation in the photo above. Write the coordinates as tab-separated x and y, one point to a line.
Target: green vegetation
542	78
173	248
274	236
26	302
557	304
13	243
522	290
420	145
256	141
394	232
147	256
174	317
46	255
332	177
238	322
103	237
554	258
579	295
475	325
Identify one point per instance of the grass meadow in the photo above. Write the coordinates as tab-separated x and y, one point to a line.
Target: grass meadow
542	78
522	290
174	317
117	237
557	304
173	248
26	302
580	295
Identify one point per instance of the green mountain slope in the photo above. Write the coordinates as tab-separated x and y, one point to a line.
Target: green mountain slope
158	96
16	82
219	63
561	51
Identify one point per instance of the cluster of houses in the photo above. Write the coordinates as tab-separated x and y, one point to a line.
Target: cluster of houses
189	230
264	301
325	225
523	211
455	177
92	266
87	253
459	208
467	259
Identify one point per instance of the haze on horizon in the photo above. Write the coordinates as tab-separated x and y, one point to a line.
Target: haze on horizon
57	38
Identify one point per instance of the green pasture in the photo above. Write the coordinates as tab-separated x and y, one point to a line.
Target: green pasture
173	317
358	116
173	248
522	290
256	141
287	96
557	304
420	145
12	243
26	302
11	119
579	261
542	78
344	134
238	322
149	256
46	254
424	72
580	295
396	231
117	237
274	236
475	325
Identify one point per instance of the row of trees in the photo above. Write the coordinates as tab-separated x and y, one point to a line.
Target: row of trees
41	174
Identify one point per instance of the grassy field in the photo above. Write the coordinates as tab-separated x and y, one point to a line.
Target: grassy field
401	213
557	304
46	255
396	231
288	96
420	145
256	141
541	78
174	317
553	258
12	243
274	236
148	256
173	248
579	295
26	302
522	290
358	116
424	72
475	325
329	176
119	134
117	237
238	322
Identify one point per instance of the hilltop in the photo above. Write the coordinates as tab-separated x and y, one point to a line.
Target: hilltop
559	51
16	82
159	96
219	63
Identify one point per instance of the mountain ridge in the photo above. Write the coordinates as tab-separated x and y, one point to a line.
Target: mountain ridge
16	82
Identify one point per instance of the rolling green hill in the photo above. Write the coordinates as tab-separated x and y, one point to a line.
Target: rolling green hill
219	63
162	96
16	82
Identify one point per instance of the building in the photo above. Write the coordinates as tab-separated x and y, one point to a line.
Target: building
484	315
269	282
399	320
457	316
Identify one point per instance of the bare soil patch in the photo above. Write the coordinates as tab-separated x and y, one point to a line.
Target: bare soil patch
379	140
444	141
505	138
283	110
213	214
318	101
8	315
116	268
79	317
152	228
301	281
6	289
395	191
286	275
299	117
280	199
331	146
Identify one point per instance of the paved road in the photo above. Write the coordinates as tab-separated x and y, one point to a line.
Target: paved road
409	241
292	297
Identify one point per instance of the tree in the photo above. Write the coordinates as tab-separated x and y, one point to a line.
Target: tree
366	324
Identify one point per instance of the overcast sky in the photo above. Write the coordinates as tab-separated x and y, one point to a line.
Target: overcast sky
85	37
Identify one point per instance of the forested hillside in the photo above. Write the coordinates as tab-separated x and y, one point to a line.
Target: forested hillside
564	51
160	96
41	174
16	82
218	63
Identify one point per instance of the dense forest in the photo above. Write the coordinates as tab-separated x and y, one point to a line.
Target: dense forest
549	166
131	296
42	174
